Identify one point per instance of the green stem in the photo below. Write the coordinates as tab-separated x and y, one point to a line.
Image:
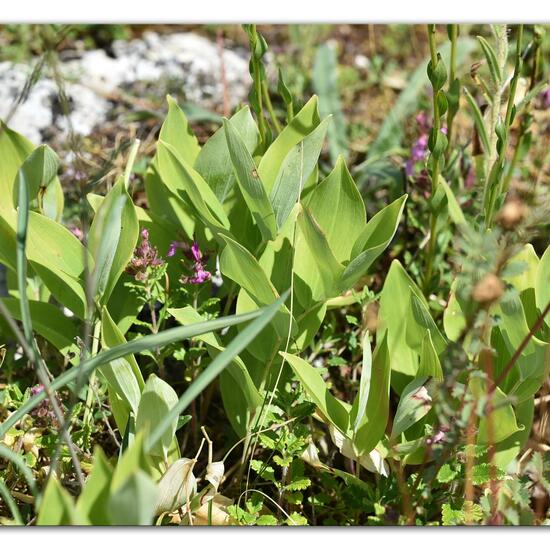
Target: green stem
452	77
269	106
435	167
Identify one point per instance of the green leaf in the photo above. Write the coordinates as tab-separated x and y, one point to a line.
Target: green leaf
420	321
299	127
339	210
394	318
57	507
328	269
335	411
503	421
297	167
372	414
415	403
156	402
492	62
372	241
429	361
92	503
239	265
542	285
250	184
134	502
176	132
325	85
478	121
133	459
123	375
183	181
112	239
214	162
39	170
454	208
213	370
14	149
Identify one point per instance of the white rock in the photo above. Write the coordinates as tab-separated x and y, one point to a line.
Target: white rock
186	57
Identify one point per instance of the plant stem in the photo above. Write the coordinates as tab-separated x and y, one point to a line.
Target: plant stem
452	77
269	106
435	167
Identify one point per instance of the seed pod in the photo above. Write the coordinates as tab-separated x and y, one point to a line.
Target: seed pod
489	289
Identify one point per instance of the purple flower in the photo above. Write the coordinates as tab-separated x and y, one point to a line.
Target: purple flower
546	98
145	258
199	273
44	410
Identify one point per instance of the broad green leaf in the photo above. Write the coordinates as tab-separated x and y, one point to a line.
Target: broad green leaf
335	411
240	266
454	321
57	257
214	162
92	503
419	321
393	318
527	263
157	400
339	210
415	403
299	127
39	170
372	241
325	85
429	361
56	507
48	321
183	181
112	239
373	400
542	286
297	167
14	149
168	209
321	258
503	420
249	182
123	375
53	201
150	342
176	132
213	370
133	503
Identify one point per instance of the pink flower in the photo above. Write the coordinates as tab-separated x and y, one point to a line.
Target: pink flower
199	272
145	258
